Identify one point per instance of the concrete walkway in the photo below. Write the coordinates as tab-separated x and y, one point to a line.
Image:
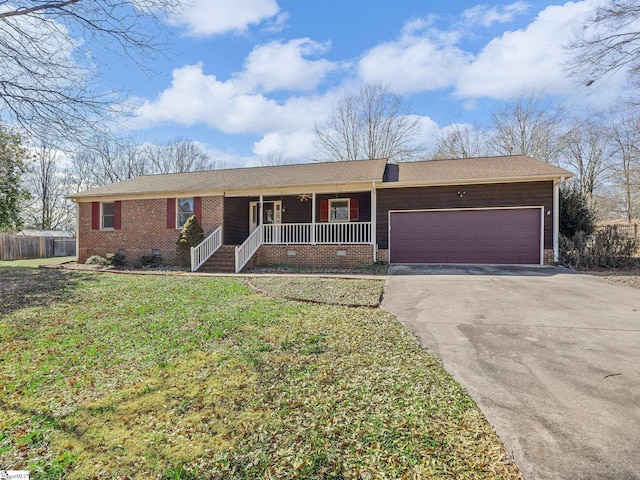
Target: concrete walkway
551	357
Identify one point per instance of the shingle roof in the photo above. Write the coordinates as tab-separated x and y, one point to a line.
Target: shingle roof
247	178
432	172
478	169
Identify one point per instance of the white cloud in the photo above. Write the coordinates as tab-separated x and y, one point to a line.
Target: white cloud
297	146
211	17
531	59
422	59
283	66
195	97
487	16
427	132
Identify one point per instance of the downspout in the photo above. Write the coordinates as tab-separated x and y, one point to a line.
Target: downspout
77	229
556	218
374	211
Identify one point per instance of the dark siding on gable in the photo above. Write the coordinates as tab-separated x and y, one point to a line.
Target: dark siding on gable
295	211
475	196
236	220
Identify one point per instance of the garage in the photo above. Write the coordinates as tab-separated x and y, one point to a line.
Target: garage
491	236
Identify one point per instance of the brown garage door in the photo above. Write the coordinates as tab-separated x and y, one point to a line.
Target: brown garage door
499	236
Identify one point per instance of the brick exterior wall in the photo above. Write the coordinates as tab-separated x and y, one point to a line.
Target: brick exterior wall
143	229
383	255
320	256
548	256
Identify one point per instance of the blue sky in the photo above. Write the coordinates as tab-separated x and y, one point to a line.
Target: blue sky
250	78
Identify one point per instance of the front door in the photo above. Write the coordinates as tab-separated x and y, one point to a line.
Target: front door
271	213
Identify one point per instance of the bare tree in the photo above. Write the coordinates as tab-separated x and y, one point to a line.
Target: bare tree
176	156
462	140
49	61
625	134
529	126
274	159
608	42
589	153
372	123
47	184
107	161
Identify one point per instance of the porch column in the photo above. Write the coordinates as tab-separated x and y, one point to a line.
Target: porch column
374	209
260	217
556	217
313	218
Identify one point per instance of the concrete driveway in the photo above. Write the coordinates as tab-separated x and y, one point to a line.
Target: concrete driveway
551	357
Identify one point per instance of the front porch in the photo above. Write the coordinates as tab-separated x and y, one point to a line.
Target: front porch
266	228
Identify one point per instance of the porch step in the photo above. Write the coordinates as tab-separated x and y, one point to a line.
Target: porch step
223	261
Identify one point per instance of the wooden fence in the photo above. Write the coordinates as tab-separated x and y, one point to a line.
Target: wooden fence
15	247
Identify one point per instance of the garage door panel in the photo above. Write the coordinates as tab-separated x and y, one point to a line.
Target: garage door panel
466	236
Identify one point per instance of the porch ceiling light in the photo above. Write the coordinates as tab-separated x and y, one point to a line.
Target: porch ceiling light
304	197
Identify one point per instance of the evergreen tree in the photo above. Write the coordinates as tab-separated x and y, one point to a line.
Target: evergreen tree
12	191
576	213
190	236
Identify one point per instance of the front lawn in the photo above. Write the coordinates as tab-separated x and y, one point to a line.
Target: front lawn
332	291
179	377
35	262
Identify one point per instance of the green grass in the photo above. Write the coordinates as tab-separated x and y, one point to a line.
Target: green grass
35	262
181	377
332	291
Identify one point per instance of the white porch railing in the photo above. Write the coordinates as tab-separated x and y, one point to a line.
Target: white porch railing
201	252
342	233
317	233
245	251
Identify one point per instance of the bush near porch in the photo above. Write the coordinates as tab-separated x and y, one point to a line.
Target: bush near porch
112	376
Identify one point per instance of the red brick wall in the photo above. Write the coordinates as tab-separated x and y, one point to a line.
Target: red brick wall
319	256
144	228
548	256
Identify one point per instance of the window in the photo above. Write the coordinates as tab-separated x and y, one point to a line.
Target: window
185	210
108	215
339	210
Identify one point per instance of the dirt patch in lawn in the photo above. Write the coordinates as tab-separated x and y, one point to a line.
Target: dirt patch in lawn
27	286
329	291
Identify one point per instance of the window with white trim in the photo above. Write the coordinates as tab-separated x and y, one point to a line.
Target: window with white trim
339	209
184	211
108	216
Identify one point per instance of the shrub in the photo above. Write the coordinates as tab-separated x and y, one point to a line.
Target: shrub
117	259
576	213
151	261
606	247
190	236
98	260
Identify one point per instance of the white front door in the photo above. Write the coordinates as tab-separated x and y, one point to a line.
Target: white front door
271	213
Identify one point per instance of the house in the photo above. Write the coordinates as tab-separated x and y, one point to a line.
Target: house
495	210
